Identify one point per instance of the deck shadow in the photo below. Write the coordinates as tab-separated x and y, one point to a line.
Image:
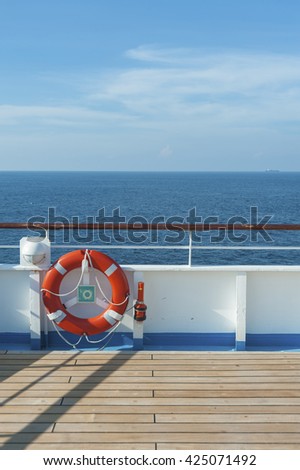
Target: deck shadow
19	440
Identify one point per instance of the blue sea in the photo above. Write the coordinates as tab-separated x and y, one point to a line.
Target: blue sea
173	197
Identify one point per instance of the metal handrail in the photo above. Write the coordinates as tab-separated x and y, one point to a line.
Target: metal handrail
187	227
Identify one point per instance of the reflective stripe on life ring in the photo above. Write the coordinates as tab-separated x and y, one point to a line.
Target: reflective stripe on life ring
56	310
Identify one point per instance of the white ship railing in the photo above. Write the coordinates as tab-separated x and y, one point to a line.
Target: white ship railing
188	228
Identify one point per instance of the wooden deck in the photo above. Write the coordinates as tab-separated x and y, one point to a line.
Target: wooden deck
159	400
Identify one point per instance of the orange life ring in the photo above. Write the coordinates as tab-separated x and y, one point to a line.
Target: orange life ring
56	310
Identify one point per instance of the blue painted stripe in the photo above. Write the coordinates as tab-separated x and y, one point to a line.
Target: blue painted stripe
158	341
17	338
182	341
36	344
273	340
189	340
15	341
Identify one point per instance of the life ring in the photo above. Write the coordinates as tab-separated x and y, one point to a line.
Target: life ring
57	311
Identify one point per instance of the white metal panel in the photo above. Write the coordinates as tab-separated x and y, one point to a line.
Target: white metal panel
14	301
183	299
273	302
190	302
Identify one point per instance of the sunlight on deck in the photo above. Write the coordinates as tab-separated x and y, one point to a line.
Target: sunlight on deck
142	400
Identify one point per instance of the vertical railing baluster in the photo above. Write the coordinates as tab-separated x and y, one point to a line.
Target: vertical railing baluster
190	248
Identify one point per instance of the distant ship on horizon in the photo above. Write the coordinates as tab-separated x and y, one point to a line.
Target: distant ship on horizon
270	170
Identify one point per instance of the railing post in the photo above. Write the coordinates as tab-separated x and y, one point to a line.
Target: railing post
190	248
241	303
35	309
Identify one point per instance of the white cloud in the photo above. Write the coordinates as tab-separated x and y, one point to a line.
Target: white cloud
178	85
62	116
154	53
166	151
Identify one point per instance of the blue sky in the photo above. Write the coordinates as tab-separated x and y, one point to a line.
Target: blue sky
193	85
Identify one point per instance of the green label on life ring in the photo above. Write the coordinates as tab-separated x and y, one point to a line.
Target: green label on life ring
86	294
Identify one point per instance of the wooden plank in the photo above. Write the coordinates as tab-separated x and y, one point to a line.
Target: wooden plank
145	377
60	363
212	367
152	385
81	446
286	394
54	360
200	367
135	377
154	437
150	366
246	408
31	401
27	363
219	363
4	395
6	373
30	379
77	418
160	379
7	428
5	358
212	355
109	368
216	446
221	373
191	379
180	401
148	393
227	418
183	428
191	362
236	356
